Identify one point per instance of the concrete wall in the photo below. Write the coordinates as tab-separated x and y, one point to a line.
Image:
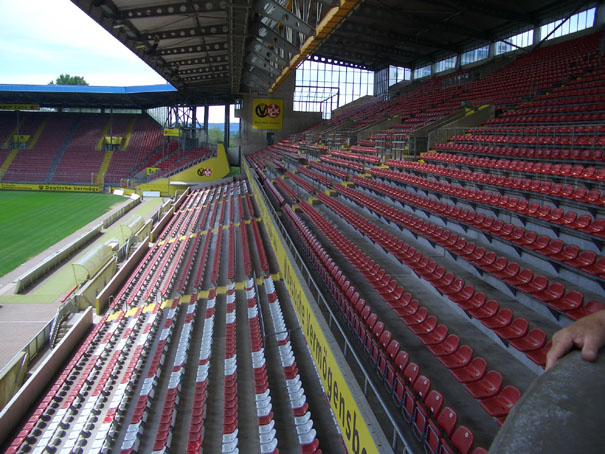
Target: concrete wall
560	413
21	402
255	139
35	274
121	212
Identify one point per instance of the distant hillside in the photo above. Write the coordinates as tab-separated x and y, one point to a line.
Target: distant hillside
233	127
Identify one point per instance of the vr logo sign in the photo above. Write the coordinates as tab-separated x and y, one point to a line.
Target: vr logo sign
267	113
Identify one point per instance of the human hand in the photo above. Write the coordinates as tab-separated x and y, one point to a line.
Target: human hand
588	334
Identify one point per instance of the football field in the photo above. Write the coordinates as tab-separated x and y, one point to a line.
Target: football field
31	222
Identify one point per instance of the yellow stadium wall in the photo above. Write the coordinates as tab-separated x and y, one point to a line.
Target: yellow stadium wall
219	167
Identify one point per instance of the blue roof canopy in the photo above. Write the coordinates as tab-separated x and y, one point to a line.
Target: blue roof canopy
86	96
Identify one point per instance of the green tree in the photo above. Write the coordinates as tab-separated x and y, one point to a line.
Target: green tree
66	79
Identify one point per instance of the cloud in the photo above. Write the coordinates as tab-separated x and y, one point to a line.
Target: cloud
42	37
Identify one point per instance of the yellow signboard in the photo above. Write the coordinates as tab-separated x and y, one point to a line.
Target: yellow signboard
172	133
354	429
21	138
19	107
267	113
152	170
49	187
114	140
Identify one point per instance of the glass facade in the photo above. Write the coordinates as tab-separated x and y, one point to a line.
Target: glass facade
514	42
444	65
481	53
577	22
425	71
390	76
323	86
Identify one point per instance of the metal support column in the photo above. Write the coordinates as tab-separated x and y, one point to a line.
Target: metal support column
227	121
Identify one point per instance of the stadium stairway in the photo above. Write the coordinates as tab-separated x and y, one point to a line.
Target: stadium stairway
59	156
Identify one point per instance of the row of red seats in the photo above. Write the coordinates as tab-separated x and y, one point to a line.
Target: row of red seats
285	189
301	182
364	147
231	254
197	279
217	257
175	266
277	197
541	153
569	220
544	187
343	163
383	350
166	427
555	107
314	175
448	284
230	401
537	130
581	141
577	171
555	294
329	170
135	426
553	249
355	156
196	422
160	270
245	249
260	248
592	117
266	422
307	435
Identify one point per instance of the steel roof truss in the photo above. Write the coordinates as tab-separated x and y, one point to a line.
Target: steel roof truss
272	10
267	35
171	9
259	63
187	33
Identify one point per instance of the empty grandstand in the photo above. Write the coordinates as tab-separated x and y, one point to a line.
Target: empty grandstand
386	280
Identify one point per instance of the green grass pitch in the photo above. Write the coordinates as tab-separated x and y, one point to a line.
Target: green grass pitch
31	222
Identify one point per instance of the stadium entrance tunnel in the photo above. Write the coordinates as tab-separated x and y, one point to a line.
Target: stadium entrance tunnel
560	413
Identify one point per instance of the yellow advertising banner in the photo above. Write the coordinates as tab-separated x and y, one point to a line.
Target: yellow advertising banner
267	113
172	132
114	140
19	107
354	429
48	187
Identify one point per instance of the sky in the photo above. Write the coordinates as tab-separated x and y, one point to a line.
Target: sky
41	39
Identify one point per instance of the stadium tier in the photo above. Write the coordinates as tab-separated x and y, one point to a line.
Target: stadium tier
68	148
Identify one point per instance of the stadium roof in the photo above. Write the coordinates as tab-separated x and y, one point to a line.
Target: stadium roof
83	96
212	51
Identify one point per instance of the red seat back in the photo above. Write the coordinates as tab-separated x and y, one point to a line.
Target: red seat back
410	374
